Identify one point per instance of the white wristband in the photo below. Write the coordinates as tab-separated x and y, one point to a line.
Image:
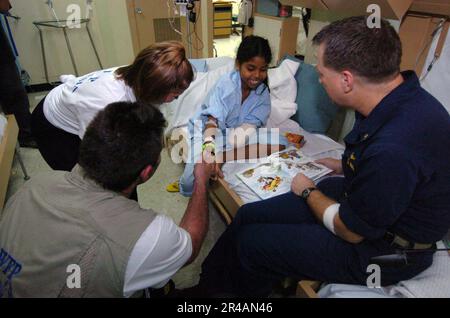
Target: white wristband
209	139
328	216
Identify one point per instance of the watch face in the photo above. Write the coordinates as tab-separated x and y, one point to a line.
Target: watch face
306	193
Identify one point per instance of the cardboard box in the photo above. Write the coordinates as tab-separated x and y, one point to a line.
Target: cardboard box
390	9
416	16
267	7
416	34
440	7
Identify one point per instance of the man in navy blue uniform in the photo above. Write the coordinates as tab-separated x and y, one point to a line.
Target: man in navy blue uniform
395	193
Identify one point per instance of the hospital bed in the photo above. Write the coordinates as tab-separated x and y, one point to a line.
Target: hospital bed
230	193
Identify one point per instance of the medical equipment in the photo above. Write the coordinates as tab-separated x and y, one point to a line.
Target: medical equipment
64	25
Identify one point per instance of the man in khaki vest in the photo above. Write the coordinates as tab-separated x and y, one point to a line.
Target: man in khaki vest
77	234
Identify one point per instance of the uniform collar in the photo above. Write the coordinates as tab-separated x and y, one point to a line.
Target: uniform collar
365	127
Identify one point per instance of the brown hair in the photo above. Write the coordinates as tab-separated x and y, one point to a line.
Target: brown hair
124	137
158	70
371	53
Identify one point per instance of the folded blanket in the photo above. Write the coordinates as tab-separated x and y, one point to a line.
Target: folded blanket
3	124
283	92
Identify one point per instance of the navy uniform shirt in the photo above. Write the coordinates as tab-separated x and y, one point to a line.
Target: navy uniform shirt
397	167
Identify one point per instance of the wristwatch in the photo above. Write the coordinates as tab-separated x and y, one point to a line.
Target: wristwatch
305	194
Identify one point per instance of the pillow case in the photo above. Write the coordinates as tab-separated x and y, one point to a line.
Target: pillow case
199	65
315	110
283	92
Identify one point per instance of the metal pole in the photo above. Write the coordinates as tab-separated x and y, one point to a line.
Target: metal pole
93	45
70	51
188	35
43	54
19	157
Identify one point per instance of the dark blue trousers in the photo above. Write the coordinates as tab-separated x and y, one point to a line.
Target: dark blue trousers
278	238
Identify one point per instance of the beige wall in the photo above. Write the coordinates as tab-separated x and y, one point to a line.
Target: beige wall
147	18
115	31
207	27
109	27
320	19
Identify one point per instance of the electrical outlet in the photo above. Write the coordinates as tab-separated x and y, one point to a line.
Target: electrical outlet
183	11
181	2
184	2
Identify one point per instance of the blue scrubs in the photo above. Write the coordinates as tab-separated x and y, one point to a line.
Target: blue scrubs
224	103
396	179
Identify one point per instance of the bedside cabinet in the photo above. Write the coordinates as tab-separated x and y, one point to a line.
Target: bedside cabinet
222	18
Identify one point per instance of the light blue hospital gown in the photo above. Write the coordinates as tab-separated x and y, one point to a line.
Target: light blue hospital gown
224	103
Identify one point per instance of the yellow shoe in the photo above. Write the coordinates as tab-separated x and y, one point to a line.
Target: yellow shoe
173	187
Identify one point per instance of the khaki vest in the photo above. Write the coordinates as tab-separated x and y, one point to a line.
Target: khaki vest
62	222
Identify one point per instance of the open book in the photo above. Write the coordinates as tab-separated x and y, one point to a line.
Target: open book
274	176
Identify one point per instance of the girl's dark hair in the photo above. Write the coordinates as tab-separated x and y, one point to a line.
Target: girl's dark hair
252	46
119	142
158	70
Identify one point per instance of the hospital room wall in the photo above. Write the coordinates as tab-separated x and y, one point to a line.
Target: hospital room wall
320	19
109	27
344	120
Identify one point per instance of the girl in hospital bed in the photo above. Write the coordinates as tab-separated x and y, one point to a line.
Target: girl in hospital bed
240	99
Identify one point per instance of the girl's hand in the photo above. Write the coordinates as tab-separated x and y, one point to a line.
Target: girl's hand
333	164
208	156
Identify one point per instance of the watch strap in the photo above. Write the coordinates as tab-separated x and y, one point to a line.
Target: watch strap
306	193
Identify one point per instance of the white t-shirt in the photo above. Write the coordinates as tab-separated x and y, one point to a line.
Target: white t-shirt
160	252
72	105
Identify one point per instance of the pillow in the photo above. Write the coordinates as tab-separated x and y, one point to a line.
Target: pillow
283	91
282	82
315	110
213	63
199	65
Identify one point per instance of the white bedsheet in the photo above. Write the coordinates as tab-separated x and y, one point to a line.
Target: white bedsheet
283	91
434	282
317	147
3	124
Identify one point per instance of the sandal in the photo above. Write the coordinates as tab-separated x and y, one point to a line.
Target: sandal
173	187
